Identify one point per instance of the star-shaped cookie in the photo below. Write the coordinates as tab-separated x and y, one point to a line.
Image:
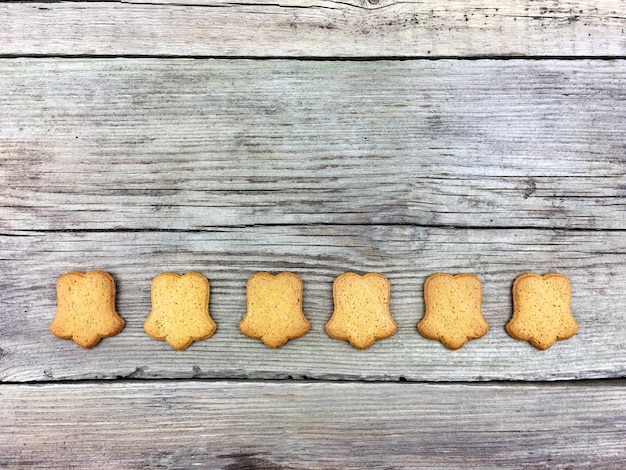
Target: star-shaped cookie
86	308
180	310
542	310
361	313
274	309
453	313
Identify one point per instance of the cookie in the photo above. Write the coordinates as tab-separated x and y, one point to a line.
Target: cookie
542	310
180	310
274	309
361	313
86	308
453	313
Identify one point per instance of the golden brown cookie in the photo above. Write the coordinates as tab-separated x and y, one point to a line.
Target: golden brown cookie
274	314
180	310
361	313
86	308
542	310
453	313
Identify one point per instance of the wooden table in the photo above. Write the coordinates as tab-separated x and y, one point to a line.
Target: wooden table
320	137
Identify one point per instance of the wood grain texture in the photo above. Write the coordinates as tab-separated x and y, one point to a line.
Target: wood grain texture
291	425
593	261
232	166
301	28
189	144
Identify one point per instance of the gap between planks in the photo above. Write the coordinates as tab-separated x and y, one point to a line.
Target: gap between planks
269	58
218	228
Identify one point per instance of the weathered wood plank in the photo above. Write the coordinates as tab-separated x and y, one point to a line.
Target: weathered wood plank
187	144
301	28
312	425
594	262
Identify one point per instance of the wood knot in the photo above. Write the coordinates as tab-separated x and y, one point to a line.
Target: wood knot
530	189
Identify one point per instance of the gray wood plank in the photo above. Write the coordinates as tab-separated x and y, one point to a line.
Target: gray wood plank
312	425
296	28
189	144
593	260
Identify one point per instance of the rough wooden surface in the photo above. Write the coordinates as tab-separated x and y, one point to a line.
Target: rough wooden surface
592	260
297	28
188	144
168	159
289	425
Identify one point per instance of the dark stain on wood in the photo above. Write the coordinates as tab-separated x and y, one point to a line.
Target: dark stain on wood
251	461
531	188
